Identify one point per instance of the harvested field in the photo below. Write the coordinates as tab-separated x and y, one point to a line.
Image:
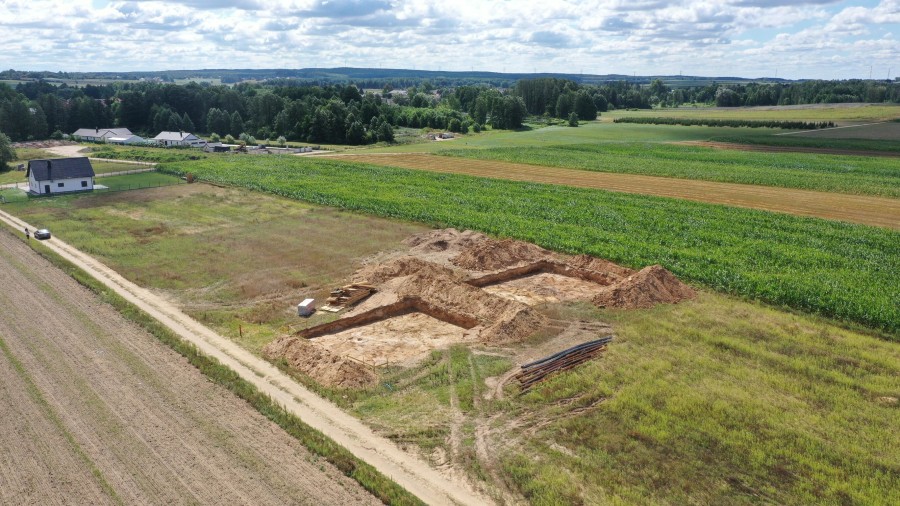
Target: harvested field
887	131
94	410
876	211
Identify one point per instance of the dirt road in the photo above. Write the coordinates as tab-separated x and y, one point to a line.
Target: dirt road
876	211
410	472
94	410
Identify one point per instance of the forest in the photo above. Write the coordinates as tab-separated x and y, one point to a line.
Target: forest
350	113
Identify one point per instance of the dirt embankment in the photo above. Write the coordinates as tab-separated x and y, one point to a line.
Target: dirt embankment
460	287
648	287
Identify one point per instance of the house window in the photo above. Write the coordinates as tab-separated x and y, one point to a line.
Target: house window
84	184
60	185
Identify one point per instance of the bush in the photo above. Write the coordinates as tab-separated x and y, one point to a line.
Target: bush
57	135
229	139
214	138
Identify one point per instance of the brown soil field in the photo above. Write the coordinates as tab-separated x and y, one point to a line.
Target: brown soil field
867	210
789	149
94	410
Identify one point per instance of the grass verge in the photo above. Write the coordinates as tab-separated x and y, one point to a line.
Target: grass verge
366	475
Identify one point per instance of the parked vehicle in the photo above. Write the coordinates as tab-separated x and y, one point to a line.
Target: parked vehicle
42	234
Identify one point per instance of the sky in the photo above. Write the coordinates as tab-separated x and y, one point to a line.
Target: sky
793	39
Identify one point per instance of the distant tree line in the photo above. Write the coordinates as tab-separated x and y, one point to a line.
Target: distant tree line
340	114
735	123
347	114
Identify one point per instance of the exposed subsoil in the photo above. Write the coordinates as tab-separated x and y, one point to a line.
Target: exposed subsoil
460	287
650	286
94	410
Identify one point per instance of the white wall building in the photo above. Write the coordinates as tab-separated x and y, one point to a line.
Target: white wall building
179	139
60	175
131	139
101	134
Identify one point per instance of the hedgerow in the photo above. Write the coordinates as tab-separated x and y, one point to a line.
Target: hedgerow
735	123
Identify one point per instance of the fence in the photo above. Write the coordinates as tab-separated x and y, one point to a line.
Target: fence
8	197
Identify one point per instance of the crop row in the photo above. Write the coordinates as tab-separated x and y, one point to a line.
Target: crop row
733	123
840	174
836	269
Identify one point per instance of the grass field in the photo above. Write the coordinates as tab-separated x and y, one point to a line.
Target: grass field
716	401
844	174
844	113
237	261
841	270
22	156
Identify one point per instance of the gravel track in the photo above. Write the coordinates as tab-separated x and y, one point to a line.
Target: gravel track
867	210
94	410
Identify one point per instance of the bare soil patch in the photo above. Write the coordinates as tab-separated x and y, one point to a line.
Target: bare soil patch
453	287
101	412
868	210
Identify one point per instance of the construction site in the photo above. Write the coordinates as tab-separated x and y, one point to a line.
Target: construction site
459	287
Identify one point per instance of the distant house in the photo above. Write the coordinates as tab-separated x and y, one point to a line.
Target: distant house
179	139
101	134
60	175
130	139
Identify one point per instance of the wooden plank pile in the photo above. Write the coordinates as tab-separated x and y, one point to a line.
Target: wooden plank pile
346	296
539	370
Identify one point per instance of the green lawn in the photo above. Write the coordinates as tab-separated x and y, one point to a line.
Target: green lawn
837	269
137	181
841	174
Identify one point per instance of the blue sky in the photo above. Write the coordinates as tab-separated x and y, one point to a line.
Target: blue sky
748	38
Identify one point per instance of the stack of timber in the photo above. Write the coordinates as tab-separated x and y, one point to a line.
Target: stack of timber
346	296
537	371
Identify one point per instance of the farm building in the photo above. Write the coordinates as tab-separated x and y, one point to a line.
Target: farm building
101	134
60	175
126	140
179	139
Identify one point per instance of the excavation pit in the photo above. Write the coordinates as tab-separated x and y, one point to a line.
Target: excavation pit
396	334
543	282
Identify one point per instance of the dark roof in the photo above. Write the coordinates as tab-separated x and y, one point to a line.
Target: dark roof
60	168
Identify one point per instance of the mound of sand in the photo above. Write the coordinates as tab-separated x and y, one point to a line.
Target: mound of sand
377	274
490	254
600	265
648	287
448	239
320	364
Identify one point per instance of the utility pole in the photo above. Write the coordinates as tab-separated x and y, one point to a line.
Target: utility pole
870	72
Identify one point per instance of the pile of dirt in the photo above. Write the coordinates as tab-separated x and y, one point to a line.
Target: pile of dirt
377	274
648	287
448	239
600	265
320	364
491	254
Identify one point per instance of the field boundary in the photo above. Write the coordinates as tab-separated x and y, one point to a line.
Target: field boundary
867	210
265	380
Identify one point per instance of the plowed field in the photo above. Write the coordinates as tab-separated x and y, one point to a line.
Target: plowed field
876	211
94	410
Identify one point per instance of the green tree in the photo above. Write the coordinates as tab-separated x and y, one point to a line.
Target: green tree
186	124
573	119
385	132
584	107
237	124
7	153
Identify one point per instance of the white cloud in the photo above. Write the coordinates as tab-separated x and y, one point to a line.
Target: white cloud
813	38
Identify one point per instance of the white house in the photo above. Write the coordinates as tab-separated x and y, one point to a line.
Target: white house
179	139
60	175
125	140
101	134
